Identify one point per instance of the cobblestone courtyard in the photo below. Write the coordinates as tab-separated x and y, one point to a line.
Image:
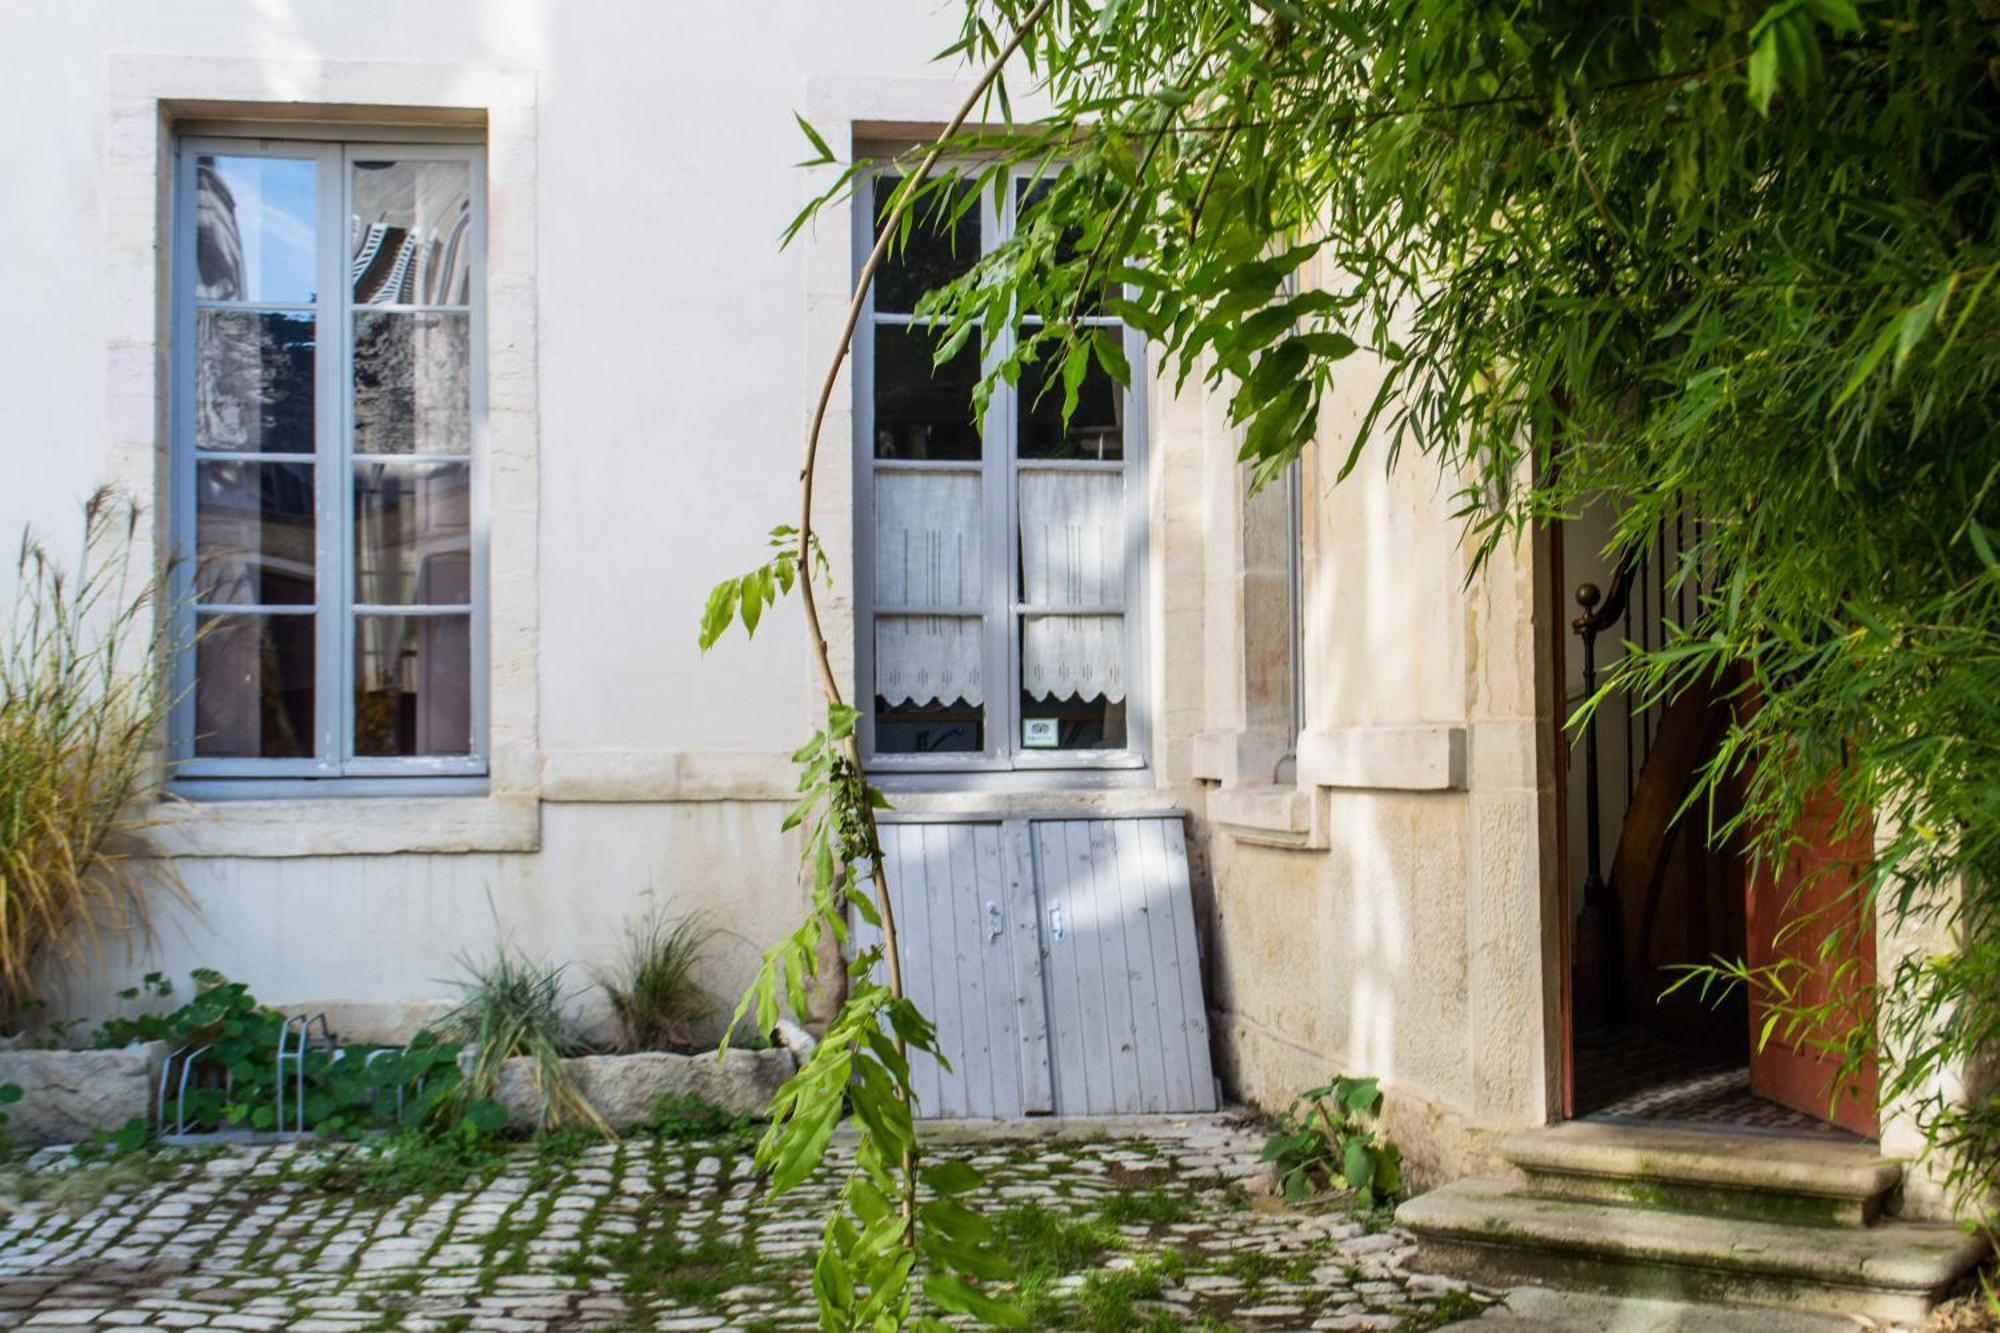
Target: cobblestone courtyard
1127	1231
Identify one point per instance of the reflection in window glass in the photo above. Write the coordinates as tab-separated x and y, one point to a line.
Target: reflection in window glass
412	233
937	251
923	411
254	234
253	382
412	383
254	694
254	533
938	729
412	685
412	534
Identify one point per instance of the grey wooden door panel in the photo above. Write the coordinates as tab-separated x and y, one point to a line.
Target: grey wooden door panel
1057	959
1128	1029
1137	912
1031	1010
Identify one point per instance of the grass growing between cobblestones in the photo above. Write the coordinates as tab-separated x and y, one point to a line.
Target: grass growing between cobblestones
670	1230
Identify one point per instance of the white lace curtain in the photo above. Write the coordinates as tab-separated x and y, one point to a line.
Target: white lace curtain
928	553
1073	554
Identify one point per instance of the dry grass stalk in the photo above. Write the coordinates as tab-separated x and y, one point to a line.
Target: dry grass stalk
82	699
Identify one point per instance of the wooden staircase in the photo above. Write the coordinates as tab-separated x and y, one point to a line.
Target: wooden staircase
1723	1217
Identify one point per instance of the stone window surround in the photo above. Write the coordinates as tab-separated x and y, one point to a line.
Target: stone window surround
148	97
1249	795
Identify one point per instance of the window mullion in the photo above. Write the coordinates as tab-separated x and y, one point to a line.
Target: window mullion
333	375
180	488
997	431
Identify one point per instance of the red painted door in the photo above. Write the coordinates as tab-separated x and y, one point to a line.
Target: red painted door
1810	920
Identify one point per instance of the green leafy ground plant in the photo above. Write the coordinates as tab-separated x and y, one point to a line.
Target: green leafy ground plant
345	1092
1329	1138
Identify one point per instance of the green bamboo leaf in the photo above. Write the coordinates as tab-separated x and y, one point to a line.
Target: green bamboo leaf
822	153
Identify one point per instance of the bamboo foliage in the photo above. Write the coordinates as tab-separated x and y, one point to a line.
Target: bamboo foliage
82	699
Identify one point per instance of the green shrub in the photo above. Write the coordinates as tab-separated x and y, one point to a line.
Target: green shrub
654	995
82	698
1328	1139
513	1007
345	1091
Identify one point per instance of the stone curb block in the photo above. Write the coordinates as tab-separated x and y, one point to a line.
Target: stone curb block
67	1094
623	1087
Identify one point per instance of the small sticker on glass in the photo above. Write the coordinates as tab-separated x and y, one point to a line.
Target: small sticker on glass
1038	733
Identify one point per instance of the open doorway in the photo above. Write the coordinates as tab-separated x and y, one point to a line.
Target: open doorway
1647	892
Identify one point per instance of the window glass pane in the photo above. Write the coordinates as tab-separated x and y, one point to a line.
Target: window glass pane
930	684
412	233
928	541
1096	429
938	250
412	534
412	383
1072	682
253	693
253	381
413	685
923	411
254	237
254	533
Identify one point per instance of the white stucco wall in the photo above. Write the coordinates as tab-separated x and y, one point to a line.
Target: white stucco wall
649	357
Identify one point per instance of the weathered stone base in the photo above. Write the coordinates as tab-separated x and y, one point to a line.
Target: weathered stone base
67	1094
623	1088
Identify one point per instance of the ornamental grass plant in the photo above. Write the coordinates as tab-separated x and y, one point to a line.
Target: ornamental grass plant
655	998
82	699
512	1007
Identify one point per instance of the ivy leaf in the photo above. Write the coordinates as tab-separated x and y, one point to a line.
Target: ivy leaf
486	1115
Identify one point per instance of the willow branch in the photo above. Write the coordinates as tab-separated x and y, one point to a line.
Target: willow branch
816	636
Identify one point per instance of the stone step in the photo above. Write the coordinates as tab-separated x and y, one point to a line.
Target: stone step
1824	1182
1496	1232
1544	1310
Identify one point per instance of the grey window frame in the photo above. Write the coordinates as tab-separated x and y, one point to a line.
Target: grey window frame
999	468
333	769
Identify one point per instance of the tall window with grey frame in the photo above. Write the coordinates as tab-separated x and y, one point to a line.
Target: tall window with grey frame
999	561
327	461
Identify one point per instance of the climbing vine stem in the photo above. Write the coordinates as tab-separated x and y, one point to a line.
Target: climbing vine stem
893	1214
